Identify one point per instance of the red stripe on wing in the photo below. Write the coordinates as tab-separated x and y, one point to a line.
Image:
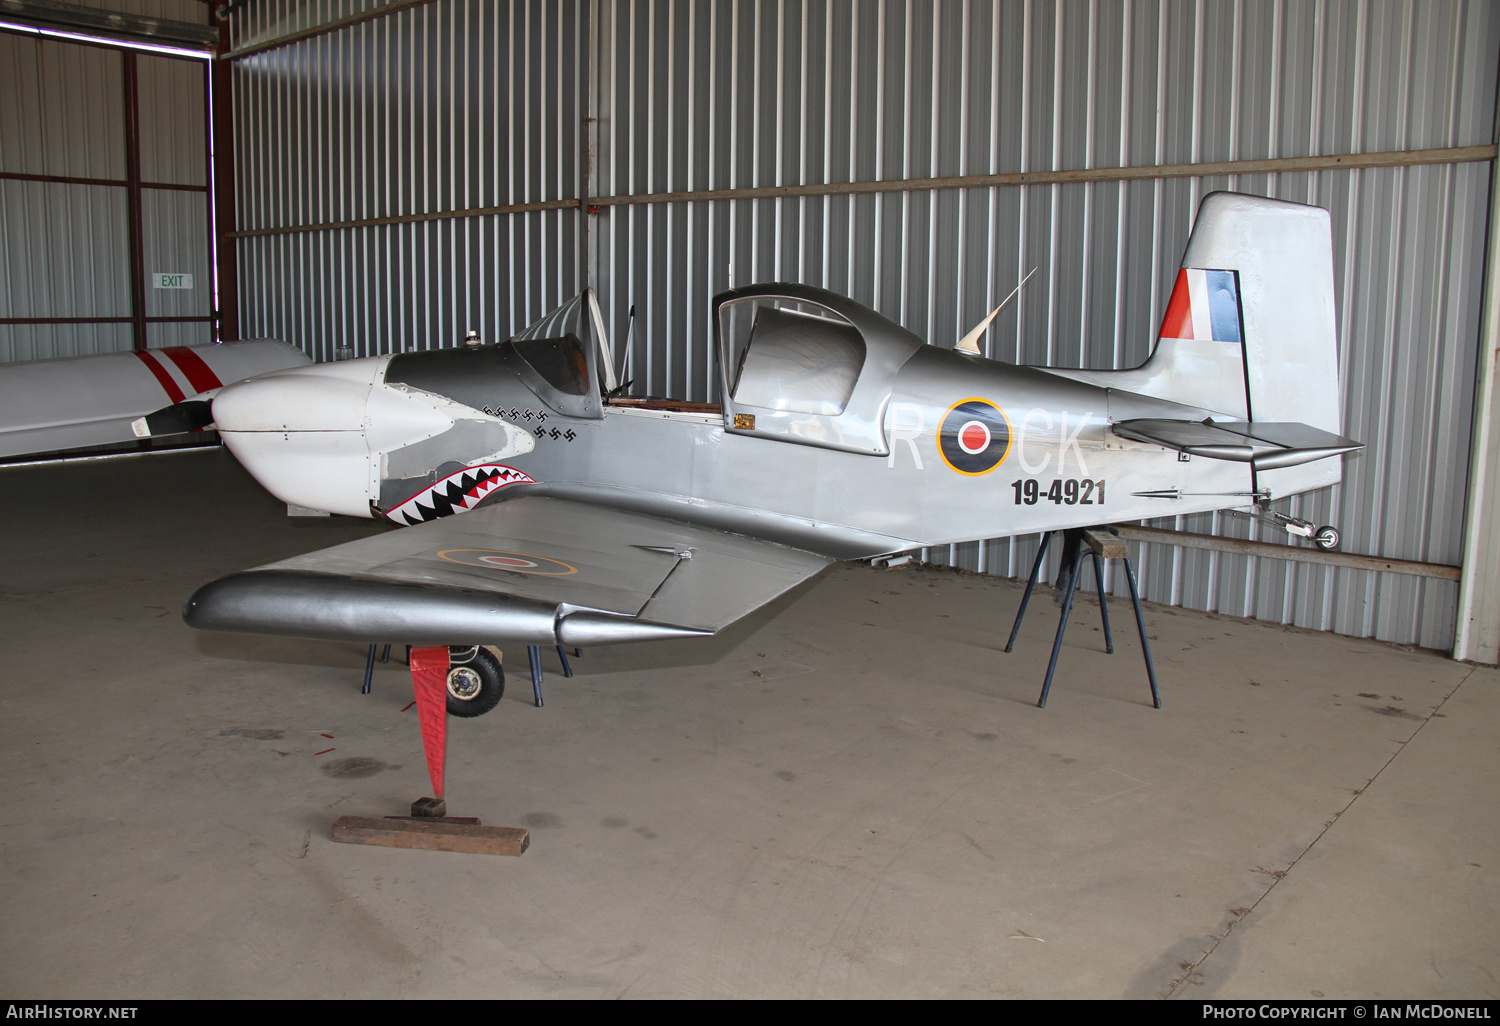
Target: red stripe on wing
199	374
162	377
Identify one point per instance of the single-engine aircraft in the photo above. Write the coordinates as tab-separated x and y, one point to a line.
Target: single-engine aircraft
544	506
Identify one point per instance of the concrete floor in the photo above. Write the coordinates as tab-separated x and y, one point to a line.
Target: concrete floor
852	794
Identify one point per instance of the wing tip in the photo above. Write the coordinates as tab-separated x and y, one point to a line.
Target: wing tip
591	627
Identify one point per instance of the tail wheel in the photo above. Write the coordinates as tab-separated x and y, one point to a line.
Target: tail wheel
475	681
1327	538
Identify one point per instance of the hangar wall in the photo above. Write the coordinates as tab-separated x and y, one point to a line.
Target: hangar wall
103	179
446	106
395	123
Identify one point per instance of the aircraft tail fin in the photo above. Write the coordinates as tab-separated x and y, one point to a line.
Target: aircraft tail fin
1249	330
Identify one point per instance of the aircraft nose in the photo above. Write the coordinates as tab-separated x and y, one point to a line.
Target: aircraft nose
318	397
302	432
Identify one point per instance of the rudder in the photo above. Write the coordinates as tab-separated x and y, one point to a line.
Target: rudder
1281	258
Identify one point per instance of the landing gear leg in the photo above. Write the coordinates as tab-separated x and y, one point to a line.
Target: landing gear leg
1325	538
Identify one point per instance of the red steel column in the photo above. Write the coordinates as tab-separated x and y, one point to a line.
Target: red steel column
132	93
209	237
223	185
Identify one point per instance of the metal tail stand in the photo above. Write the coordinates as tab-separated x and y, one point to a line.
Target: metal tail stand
1101	541
534	655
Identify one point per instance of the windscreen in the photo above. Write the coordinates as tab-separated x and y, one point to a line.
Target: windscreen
560	361
553	347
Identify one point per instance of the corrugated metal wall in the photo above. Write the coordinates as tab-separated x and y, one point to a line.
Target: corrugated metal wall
264	20
194	11
465	104
66	245
441	107
175	239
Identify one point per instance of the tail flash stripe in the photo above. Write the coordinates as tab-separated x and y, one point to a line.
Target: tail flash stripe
1178	322
1204	306
1203	328
1223	305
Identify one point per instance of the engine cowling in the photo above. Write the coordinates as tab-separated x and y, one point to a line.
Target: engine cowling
337	437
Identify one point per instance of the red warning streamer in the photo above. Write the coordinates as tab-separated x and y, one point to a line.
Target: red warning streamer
429	680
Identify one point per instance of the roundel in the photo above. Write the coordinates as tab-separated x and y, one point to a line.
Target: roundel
974	437
517	562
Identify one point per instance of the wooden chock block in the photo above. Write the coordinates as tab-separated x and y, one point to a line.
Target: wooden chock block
432	834
429	807
470	820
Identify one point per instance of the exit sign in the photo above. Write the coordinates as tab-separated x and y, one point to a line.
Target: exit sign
171	280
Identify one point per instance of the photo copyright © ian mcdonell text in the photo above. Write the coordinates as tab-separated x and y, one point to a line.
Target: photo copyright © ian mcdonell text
1372	1010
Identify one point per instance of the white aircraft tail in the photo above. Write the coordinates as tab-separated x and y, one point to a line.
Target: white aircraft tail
1249	331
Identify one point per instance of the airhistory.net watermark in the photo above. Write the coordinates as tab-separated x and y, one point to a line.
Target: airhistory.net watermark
53	1011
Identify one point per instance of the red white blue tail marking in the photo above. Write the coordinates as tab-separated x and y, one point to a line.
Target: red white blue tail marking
1205	305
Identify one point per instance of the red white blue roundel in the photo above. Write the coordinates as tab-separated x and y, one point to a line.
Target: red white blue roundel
974	437
515	562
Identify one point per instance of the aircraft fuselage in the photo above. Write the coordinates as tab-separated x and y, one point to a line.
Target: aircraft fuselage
1059	466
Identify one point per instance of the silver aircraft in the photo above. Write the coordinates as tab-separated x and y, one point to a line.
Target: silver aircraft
543	506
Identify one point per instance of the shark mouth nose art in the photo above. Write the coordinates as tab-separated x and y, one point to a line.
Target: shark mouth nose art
457	493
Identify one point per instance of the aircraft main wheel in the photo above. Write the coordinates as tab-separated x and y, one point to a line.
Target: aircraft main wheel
476	684
1327	538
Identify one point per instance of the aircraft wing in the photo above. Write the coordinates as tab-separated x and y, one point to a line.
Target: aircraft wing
86	401
532	569
1265	445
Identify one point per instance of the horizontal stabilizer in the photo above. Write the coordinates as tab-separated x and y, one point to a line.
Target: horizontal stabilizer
1266	446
